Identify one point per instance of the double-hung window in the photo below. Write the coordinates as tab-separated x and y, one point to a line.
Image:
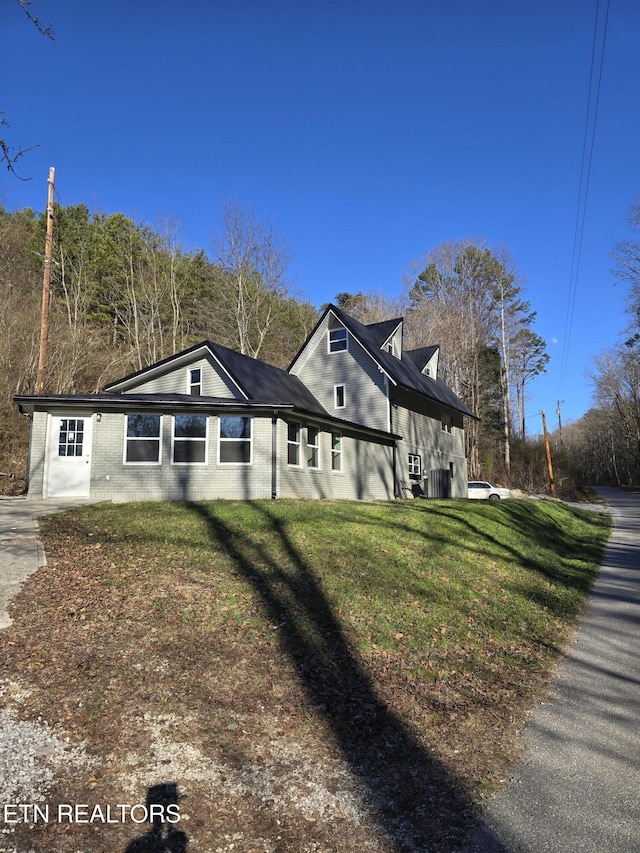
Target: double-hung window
190	433
313	447
337	340
293	443
447	423
336	451
142	441
235	440
195	381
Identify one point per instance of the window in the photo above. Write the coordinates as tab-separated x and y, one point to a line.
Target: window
293	443
339	397
415	466
142	441
71	437
447	423
195	381
190	440
235	440
336	451
313	447
337	340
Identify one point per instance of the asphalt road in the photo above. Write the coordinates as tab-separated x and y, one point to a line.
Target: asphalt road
578	787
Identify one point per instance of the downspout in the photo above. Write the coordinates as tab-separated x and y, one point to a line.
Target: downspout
274	454
394	454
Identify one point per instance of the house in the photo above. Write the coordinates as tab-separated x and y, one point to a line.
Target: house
355	416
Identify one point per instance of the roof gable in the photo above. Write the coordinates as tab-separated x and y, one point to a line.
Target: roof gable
254	381
171	375
403	371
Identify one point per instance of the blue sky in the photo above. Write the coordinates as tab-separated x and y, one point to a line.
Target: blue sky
366	132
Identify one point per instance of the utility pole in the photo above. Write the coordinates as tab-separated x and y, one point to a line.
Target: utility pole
559	421
46	285
548	449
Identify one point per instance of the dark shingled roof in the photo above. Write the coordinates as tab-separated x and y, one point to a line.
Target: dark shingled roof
382	331
420	357
402	371
265	383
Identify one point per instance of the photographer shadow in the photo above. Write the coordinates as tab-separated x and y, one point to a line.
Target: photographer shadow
163	837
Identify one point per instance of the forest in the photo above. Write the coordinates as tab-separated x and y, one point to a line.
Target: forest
125	294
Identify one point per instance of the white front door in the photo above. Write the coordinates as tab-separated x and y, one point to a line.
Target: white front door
70	457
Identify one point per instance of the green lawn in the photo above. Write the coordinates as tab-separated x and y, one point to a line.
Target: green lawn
406	640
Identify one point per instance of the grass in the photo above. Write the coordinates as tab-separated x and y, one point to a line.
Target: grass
315	676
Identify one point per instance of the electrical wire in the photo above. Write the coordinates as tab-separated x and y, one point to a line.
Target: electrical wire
584	183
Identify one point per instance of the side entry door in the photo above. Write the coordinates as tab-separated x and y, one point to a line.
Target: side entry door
70	457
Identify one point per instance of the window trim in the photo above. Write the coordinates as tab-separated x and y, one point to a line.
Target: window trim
229	440
297	443
446	422
413	473
333	341
336	453
191	385
204	438
336	402
313	447
128	438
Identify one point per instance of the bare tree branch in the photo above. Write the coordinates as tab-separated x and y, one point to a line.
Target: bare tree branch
8	154
47	31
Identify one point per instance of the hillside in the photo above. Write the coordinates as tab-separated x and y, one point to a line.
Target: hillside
312	676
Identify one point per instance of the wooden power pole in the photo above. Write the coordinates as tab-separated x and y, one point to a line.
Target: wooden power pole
548	449
46	286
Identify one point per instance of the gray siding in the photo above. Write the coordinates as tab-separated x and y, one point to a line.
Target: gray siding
112	479
365	386
367	472
422	434
215	382
37	450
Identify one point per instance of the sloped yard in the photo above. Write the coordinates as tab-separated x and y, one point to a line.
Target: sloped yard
311	676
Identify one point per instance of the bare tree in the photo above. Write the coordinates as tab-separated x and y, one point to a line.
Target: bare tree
253	287
9	154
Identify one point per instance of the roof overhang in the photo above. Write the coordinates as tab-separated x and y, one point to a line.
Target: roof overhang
173	403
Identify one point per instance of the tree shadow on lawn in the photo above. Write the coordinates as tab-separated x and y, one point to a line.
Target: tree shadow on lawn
547	534
419	805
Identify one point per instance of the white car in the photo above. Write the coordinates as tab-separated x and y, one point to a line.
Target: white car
481	490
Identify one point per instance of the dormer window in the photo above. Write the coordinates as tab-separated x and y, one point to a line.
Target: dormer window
337	340
195	381
393	344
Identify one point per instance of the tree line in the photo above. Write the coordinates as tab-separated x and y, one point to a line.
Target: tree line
603	447
125	294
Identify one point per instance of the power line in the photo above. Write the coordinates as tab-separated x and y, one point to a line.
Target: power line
585	179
